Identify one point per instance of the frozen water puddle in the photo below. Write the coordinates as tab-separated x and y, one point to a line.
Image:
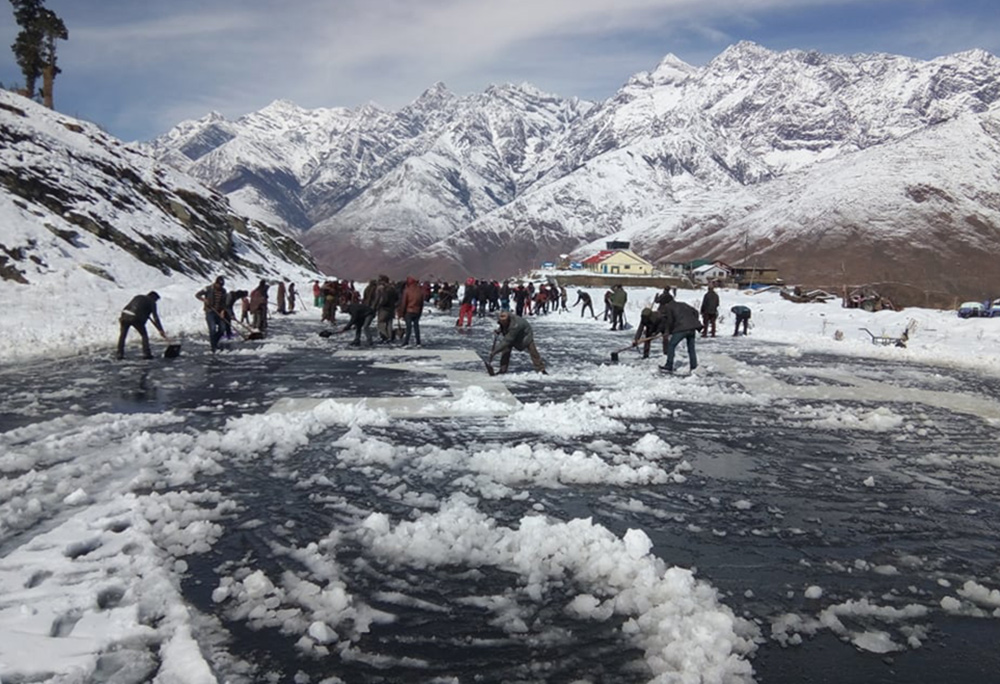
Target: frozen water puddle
469	392
858	389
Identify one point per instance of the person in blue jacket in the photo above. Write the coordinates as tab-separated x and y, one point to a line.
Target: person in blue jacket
742	314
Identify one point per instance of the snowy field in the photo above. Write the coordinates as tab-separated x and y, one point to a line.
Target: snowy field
293	510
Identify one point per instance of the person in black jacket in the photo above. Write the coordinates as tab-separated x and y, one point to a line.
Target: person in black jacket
361	317
680	321
520	299
588	304
709	311
650	325
135	314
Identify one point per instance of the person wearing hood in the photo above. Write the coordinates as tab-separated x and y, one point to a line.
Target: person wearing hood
135	314
411	306
517	334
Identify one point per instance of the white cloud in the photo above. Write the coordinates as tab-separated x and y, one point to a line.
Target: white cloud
140	68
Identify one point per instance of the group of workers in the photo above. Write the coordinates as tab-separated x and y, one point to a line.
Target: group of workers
672	321
677	322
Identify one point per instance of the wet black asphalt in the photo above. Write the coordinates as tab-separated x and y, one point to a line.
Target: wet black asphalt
811	522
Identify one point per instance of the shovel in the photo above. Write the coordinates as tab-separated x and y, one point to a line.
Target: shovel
251	334
302	302
173	350
614	354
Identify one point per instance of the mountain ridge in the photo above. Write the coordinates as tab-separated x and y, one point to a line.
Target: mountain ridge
491	183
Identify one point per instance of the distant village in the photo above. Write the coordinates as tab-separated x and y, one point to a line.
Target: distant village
617	259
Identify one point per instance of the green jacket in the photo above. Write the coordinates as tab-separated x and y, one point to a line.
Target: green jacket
618	298
518	335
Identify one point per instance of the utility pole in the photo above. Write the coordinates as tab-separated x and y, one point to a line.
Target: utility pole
746	254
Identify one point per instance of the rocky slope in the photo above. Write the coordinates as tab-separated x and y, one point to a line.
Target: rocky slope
72	197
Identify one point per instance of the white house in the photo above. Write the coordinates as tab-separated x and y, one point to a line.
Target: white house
709	273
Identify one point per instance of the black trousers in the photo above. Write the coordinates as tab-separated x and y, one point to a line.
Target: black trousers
129	321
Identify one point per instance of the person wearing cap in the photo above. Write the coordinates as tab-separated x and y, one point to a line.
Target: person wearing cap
135	314
517	334
214	299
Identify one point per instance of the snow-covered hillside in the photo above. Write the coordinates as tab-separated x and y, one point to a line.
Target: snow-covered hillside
86	222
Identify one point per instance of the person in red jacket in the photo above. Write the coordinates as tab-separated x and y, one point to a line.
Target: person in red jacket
468	305
411	305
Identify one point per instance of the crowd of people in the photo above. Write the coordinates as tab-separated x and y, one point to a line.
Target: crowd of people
392	311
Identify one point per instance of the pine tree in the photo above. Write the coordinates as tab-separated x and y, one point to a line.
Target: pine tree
35	45
27	45
53	29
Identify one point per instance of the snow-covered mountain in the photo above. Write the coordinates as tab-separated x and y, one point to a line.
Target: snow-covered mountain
74	199
834	169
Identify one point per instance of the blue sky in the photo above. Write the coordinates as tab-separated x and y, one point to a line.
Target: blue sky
139	67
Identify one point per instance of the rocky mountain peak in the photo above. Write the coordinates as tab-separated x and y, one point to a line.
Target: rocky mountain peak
672	70
453	184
